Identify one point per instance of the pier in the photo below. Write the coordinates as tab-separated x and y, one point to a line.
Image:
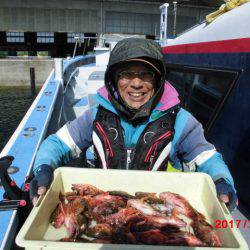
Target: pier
16	72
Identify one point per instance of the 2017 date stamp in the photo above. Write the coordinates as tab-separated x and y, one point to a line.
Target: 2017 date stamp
232	224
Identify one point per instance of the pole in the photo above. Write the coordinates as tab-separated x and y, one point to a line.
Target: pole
58	66
175	18
99	41
101	16
32	81
164	24
74	53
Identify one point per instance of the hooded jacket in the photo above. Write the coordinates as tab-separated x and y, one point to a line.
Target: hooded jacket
189	149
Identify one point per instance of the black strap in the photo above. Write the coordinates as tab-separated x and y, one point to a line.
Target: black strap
14	197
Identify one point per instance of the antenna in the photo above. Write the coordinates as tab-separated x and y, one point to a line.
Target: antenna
164	23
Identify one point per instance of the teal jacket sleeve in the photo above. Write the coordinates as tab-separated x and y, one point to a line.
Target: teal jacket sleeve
54	152
217	169
68	143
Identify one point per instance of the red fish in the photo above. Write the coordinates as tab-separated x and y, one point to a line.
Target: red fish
157	237
181	205
71	216
163	221
143	207
100	231
86	189
206	233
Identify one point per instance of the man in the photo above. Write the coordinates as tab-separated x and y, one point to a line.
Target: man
137	123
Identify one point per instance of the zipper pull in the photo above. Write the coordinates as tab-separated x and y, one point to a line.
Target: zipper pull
151	162
151	159
107	156
128	158
108	152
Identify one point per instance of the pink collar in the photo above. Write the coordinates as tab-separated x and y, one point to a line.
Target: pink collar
168	100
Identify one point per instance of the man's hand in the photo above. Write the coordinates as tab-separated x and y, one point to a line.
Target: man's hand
226	194
40	183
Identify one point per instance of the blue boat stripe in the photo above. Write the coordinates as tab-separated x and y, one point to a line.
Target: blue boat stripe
29	137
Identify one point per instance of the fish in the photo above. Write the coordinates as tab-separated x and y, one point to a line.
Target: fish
100	231
92	215
159	222
122	222
202	229
104	204
122	194
139	195
71	216
163	221
157	237
124	216
163	208
181	205
143	207
186	238
86	189
205	232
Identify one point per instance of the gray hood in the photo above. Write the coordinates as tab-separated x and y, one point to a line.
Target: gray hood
134	48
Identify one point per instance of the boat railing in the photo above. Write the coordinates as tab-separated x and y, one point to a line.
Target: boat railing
71	64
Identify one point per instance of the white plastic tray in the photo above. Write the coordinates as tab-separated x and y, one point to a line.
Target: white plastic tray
198	188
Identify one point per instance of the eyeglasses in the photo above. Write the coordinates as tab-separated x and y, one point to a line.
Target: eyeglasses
145	76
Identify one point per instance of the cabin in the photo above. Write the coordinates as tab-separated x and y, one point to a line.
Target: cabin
209	65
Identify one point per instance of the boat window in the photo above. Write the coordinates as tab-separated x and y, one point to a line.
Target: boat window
97	75
202	91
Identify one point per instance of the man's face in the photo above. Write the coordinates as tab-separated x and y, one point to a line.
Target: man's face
135	85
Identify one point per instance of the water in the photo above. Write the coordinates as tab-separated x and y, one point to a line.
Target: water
14	103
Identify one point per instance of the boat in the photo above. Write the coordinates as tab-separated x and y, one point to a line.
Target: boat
209	66
213	60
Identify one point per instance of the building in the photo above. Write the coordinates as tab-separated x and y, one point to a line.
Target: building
48	27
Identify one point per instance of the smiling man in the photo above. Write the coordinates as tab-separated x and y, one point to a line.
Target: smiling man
136	84
136	124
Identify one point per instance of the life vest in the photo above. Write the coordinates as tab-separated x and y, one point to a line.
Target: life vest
151	151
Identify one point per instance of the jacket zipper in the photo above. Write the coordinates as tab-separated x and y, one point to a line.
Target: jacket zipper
129	151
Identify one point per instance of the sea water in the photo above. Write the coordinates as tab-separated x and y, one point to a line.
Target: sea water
14	103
